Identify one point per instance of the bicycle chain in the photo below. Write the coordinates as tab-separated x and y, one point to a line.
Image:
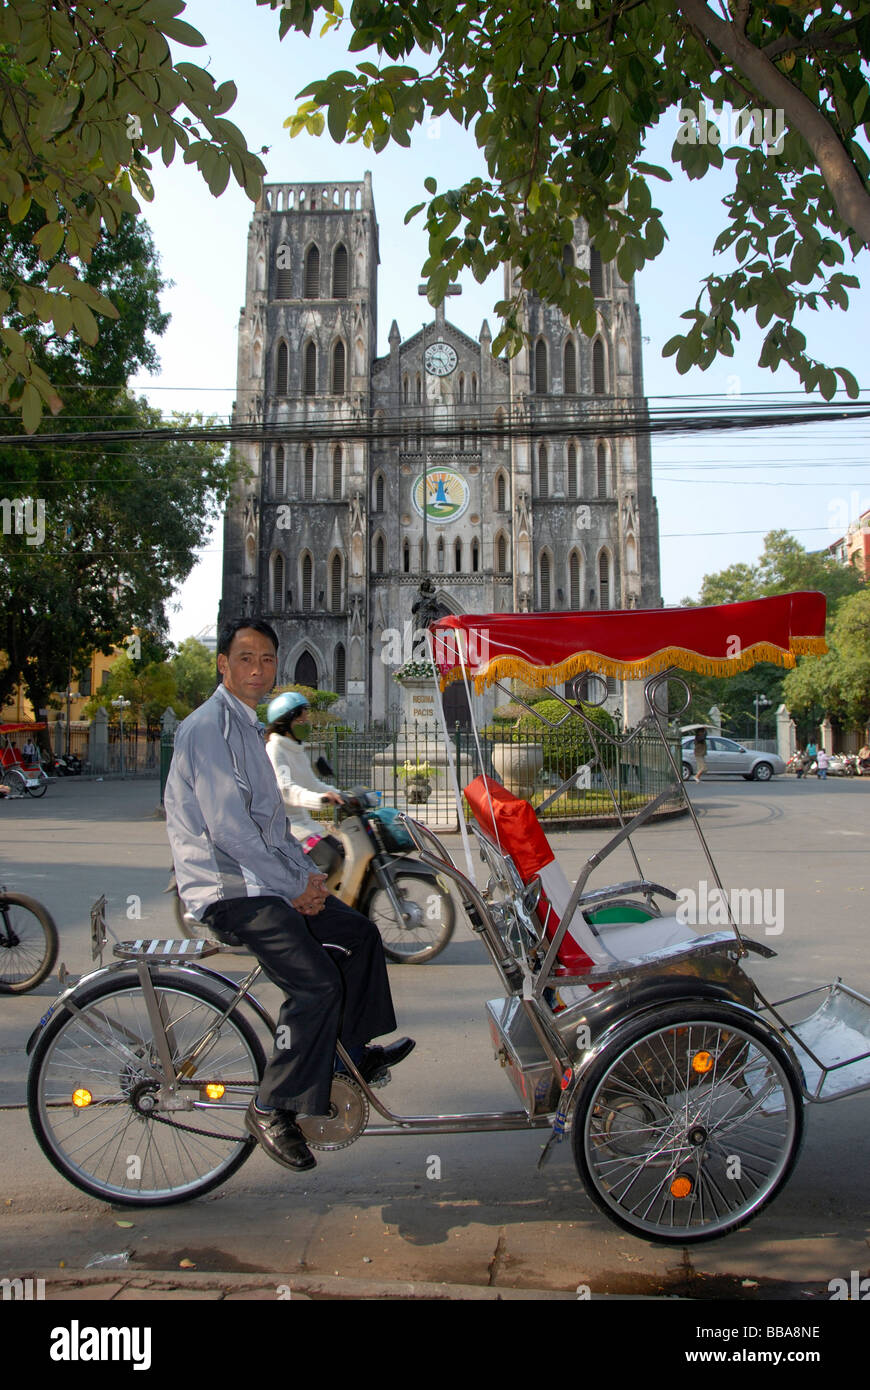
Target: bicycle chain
203	1133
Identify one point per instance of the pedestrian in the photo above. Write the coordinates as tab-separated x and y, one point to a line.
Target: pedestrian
289	717
822	760
240	872
811	751
30	753
800	763
700	751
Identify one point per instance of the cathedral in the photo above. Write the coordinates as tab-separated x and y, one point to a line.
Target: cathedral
487	474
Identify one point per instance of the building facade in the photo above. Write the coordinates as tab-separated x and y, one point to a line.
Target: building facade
490	475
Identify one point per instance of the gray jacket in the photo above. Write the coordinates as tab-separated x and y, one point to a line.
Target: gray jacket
225	818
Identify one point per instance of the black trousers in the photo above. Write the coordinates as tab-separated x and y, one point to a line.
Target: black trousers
329	994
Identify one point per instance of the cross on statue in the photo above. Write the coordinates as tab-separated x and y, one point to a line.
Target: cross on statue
439	308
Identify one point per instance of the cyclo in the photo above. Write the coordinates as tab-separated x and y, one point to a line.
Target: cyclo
682	1087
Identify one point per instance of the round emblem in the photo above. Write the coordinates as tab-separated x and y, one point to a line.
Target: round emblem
439	359
447	495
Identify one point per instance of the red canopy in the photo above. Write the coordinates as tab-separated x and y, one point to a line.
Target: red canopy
546	649
15	728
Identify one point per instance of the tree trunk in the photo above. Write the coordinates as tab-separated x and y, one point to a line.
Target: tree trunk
851	198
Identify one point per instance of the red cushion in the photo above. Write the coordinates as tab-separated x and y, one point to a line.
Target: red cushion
513	825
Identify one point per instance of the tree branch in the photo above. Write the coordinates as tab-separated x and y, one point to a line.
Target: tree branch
842	178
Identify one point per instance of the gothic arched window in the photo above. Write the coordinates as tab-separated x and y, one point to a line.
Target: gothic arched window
602	470
603	580
281	364
338	369
543	472
312	274
339	273
335	585
339	682
308	475
307	584
283	283
574	592
278	473
337	479
277	595
570	377
541	368
596	274
599	375
544	590
309	384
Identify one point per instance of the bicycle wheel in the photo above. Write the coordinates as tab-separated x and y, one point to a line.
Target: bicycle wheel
37	788
118	1145
689	1123
426	924
28	943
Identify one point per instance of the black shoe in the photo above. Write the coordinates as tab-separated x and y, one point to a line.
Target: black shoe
378	1060
278	1133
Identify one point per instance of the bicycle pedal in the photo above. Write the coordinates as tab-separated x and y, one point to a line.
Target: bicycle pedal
381	1078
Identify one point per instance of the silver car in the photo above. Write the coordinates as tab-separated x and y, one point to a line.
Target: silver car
725	757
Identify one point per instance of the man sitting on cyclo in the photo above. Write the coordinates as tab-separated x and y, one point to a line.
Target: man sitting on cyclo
241	872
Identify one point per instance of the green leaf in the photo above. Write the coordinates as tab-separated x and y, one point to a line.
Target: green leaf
18	209
654	170
31	408
412	212
49	239
182	33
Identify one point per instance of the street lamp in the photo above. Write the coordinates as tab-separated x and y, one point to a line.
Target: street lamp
760	702
120	704
69	695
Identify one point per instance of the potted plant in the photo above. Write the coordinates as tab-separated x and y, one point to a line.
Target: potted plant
416	777
414	671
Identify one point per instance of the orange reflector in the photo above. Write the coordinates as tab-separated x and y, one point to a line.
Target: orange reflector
82	1096
214	1090
681	1187
702	1061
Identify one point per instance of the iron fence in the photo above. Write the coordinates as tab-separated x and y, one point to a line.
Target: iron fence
408	766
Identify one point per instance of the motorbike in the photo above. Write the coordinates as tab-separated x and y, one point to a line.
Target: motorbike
841	765
410	903
682	1087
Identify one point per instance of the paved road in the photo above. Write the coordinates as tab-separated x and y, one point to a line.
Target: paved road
490	1220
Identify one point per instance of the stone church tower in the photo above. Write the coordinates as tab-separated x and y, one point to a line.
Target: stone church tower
436	458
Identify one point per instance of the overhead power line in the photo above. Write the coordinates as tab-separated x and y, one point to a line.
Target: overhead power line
630	419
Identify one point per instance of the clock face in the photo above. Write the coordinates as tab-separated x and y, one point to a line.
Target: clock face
439	359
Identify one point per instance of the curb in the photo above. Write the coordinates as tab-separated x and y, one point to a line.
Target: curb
107	1285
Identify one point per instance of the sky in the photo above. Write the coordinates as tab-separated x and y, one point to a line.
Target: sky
718	494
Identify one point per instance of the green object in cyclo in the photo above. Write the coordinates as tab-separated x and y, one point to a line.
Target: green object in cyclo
619	914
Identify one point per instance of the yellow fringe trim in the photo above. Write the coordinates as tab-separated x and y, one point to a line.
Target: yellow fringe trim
516	668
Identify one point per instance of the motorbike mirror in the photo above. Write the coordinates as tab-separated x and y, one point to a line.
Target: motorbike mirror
322	768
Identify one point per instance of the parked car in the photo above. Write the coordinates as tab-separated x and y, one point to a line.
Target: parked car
724	756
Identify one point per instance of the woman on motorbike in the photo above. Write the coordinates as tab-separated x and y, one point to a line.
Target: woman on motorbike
302	791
